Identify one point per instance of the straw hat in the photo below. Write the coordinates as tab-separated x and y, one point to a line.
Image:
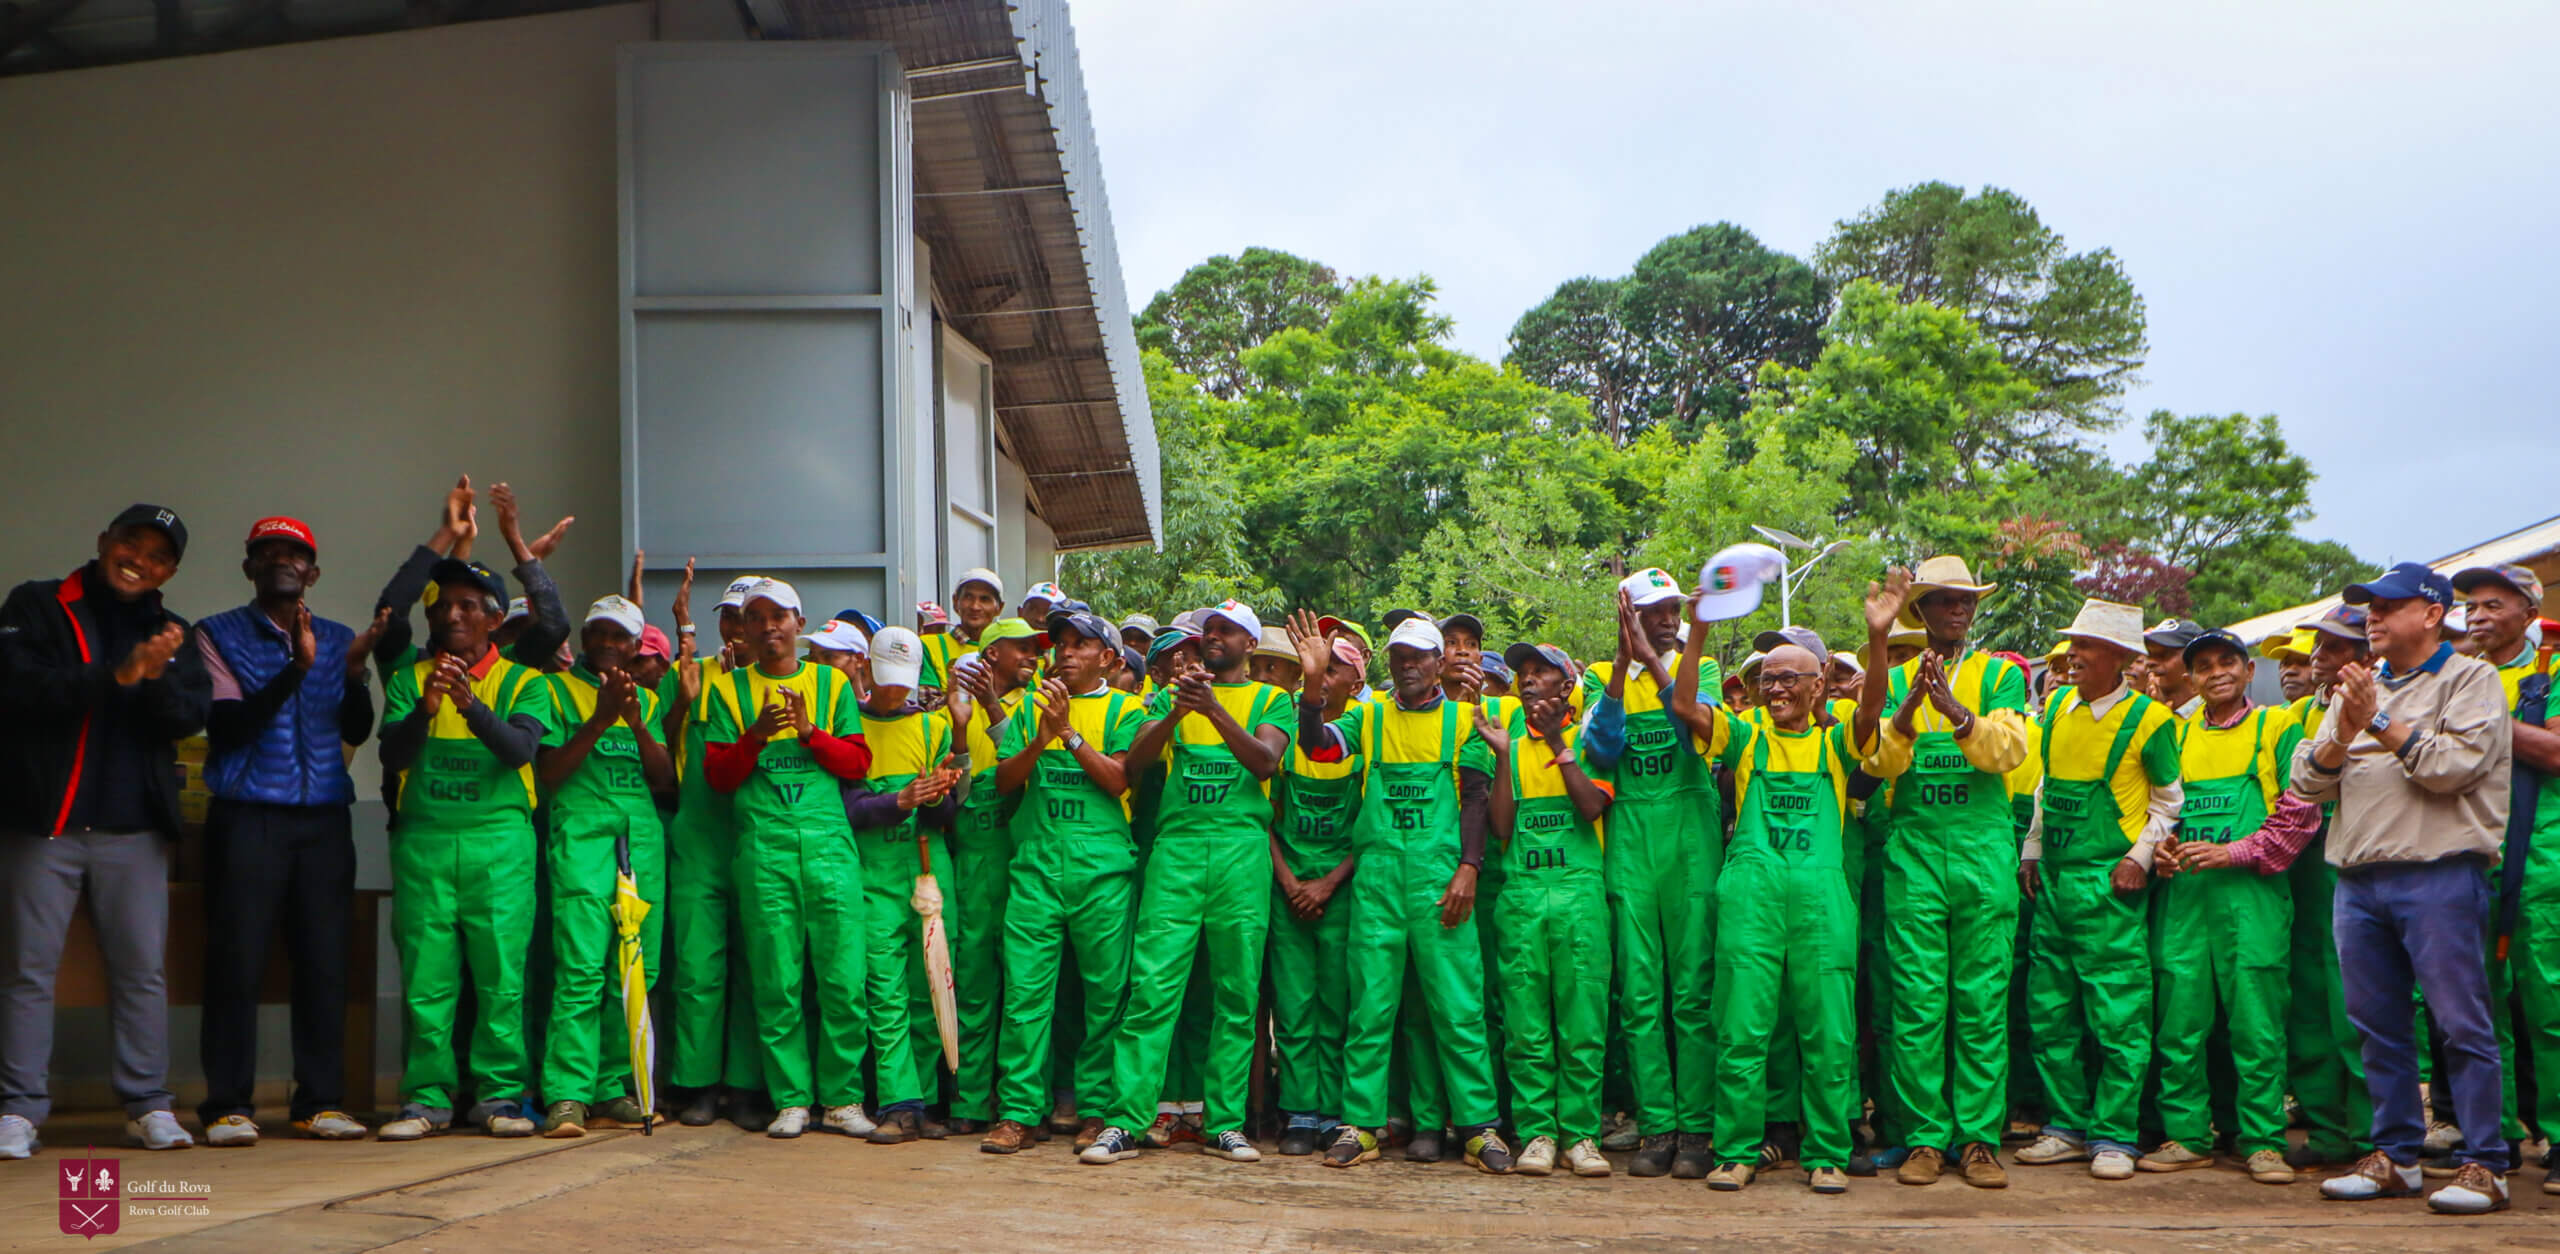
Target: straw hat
2108	623
1947	574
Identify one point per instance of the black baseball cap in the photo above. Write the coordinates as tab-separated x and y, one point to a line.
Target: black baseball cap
1065	623
454	570
2174	633
1393	617
159	518
2216	637
1461	619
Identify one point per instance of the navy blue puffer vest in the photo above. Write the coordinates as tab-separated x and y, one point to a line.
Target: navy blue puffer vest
296	759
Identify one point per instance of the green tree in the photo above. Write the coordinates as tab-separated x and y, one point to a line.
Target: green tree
1577	341
2034	562
1204	323
2071	323
1206	555
2264	574
2215	480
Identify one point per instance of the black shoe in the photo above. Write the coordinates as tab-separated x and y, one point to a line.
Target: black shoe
1653	1155
1862	1164
2302	1156
1489	1153
1299	1142
1693	1159
702	1111
753	1114
932	1129
1424	1147
965	1127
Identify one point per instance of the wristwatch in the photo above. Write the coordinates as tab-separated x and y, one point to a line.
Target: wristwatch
1072	741
2380	724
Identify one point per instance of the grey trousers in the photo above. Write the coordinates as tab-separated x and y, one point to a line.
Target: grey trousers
125	878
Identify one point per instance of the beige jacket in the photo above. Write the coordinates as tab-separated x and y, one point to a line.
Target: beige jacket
2443	795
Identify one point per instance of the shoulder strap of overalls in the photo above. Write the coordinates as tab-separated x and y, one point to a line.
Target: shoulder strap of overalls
1369	725
2139	706
742	696
1449	739
1984	683
1898	687
2052	715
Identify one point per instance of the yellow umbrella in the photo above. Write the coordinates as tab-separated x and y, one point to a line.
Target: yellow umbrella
927	901
628	910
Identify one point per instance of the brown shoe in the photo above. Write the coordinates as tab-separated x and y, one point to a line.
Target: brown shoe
1007	1137
2373	1176
1087	1133
1982	1168
1063	1119
1923	1166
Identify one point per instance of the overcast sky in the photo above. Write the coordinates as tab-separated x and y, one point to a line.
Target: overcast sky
2347	215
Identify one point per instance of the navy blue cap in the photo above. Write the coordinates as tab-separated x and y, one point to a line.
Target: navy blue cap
454	570
1065	623
158	518
2210	638
1520	655
1134	660
2401	582
1494	668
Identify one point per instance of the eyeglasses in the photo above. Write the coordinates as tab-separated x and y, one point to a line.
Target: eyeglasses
1781	679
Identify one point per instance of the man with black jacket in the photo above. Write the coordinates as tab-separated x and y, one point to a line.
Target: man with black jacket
96	682
288	693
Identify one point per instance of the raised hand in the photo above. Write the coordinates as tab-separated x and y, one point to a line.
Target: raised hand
1885	602
688	676
769	720
1546	719
684	601
1315	653
1054	710
1468	679
639	563
1496	737
543	545
2356	701
361	648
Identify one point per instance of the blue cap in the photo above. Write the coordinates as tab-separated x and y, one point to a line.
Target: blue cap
2400	583
1494	668
870	626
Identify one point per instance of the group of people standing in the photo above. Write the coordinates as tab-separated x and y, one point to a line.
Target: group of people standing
1851	910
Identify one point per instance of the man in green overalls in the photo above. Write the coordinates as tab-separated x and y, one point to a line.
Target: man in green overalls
1955	726
1074	870
601	768
1420	843
1665	845
1310	862
1551	922
799	880
712	1011
987	691
1227	736
2224	933
2326	1062
460	728
2110	796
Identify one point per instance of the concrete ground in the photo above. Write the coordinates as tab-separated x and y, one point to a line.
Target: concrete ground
687	1189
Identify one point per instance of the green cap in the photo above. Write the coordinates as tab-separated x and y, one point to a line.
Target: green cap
1011	629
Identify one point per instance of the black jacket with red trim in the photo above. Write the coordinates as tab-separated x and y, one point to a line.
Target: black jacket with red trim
57	680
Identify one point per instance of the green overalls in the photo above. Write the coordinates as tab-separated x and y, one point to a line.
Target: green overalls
2224	937
1664	850
799	884
905	1042
587	1056
462	881
1069	891
1551	926
1950	910
1408	843
712	1033
2325	1053
1207	885
2089	962
2533	951
1787	933
1310	986
981	857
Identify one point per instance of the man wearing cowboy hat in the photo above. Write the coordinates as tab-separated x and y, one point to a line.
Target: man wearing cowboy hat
1955	726
2110	795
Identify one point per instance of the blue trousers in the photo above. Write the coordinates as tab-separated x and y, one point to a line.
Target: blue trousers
2421	924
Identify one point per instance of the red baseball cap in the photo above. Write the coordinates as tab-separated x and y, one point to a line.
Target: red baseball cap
653	643
284	528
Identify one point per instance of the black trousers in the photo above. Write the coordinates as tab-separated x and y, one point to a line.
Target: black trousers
274	869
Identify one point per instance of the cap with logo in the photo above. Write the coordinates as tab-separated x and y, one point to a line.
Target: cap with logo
1048	594
2210	638
472	575
1520	657
2457	622
619	611
931	617
2346	622
839	635
2403	582
1650	586
1135	661
1330	624
517	609
158	518
1236	612
897	658
283	528
1731	582
775	591
1167	639
1416	632
2517	577
2173	633
735	597
1065	623
1496	671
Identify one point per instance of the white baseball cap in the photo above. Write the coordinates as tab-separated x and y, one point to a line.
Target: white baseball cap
736	596
977	574
1236	612
1650	586
839	635
619	611
773	590
897	658
520	608
1732	580
1048	594
1416	633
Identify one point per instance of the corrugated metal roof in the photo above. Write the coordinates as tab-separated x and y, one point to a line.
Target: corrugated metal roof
1009	196
2525	547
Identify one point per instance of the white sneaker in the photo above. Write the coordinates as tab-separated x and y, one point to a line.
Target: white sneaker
2442	1137
2111	1165
158	1130
2049	1149
1537	1158
788	1123
231	1130
17	1137
848	1120
510	1122
1114	1145
331	1125
1234	1147
1585	1159
407	1128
